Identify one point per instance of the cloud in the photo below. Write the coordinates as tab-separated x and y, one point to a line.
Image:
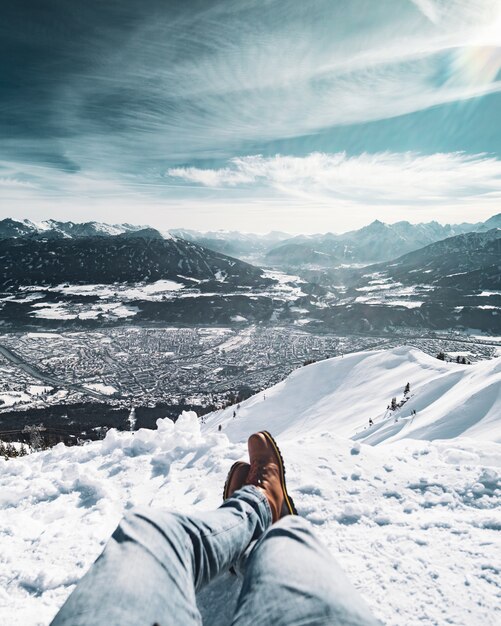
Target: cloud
316	193
198	80
101	100
429	8
366	179
7	182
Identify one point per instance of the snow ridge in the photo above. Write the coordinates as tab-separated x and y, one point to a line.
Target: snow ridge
343	393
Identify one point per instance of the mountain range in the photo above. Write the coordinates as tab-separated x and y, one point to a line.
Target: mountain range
451	283
136	276
376	242
53	229
471	260
132	256
371	244
247	246
454	283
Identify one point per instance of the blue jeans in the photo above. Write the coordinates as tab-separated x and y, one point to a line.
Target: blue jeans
155	562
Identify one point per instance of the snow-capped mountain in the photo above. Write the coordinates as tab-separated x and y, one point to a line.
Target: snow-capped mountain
472	260
53	229
376	242
411	518
135	256
453	283
137	276
373	243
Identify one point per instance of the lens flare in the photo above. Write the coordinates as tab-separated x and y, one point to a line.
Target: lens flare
475	66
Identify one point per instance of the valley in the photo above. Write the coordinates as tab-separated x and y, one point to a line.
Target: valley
106	318
62	379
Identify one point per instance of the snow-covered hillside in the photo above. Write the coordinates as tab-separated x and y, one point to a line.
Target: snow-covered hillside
414	520
341	395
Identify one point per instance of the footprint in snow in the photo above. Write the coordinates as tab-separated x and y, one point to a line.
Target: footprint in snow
310	490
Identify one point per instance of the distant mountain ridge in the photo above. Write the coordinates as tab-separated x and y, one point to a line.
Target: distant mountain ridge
438	286
468	261
371	244
141	255
53	229
377	242
245	246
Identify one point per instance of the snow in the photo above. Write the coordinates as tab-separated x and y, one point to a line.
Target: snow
71	311
220	276
237	340
38	390
379	285
286	283
12	398
107	390
391	294
119	310
238	318
413	518
360	386
52	311
409	304
31	297
136	291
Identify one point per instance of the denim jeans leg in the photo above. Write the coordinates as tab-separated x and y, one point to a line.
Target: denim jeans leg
290	579
155	561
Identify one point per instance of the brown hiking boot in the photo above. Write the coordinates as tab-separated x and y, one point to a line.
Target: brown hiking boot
267	472
236	478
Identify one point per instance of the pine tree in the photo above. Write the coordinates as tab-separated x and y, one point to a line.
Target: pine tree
393	404
11	451
35	436
441	356
407	389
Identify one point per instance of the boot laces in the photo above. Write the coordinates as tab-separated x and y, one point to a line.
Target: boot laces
256	474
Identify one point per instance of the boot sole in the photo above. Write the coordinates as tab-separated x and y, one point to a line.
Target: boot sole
290	507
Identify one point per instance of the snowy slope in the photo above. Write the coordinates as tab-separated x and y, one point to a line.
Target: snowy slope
415	523
341	394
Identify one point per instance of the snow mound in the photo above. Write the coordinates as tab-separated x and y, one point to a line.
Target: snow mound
340	395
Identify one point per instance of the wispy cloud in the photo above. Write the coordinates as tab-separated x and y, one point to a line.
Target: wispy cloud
367	179
318	192
273	71
204	80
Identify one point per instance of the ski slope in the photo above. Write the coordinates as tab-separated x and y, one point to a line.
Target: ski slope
413	518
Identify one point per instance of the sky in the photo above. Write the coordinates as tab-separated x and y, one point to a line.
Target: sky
256	115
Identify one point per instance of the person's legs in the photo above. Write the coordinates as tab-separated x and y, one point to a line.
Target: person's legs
290	579
156	560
